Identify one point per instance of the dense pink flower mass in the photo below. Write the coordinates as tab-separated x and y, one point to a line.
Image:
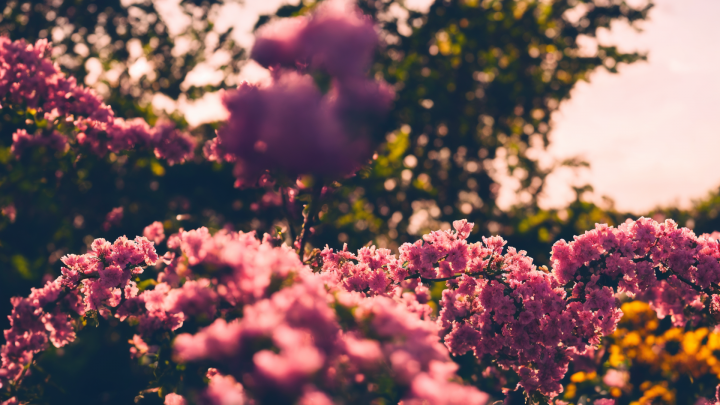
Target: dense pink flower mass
290	125
670	267
22	141
501	307
30	82
317	346
280	332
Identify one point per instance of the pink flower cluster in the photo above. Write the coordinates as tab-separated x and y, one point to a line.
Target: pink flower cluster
502	308
337	38
290	125
670	267
281	332
309	352
113	218
29	81
96	281
22	141
498	305
308	340
155	232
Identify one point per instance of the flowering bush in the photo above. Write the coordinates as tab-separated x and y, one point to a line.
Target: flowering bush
286	333
223	317
358	327
60	112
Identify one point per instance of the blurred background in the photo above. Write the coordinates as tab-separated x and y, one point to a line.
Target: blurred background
646	133
535	119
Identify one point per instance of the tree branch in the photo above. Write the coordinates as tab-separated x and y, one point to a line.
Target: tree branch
286	213
313	208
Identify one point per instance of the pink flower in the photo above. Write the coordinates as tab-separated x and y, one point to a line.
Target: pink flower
310	137
171	144
336	38
616	378
155	232
10	212
29	79
312	397
298	335
174	399
86	284
194	298
216	342
22	141
113	218
140	348
290	125
224	390
428	390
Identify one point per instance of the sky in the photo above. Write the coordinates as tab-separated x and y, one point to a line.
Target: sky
650	133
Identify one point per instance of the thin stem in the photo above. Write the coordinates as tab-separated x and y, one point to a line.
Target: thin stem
291	229
313	208
692	285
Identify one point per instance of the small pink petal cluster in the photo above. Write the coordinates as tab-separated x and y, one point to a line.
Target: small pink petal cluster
290	125
113	218
96	281
155	232
175	399
223	389
30	80
9	211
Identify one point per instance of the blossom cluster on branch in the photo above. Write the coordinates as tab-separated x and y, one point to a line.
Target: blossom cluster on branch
292	126
358	326
96	281
500	306
280	332
63	112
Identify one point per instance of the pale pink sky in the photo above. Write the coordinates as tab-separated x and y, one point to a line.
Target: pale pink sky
650	133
